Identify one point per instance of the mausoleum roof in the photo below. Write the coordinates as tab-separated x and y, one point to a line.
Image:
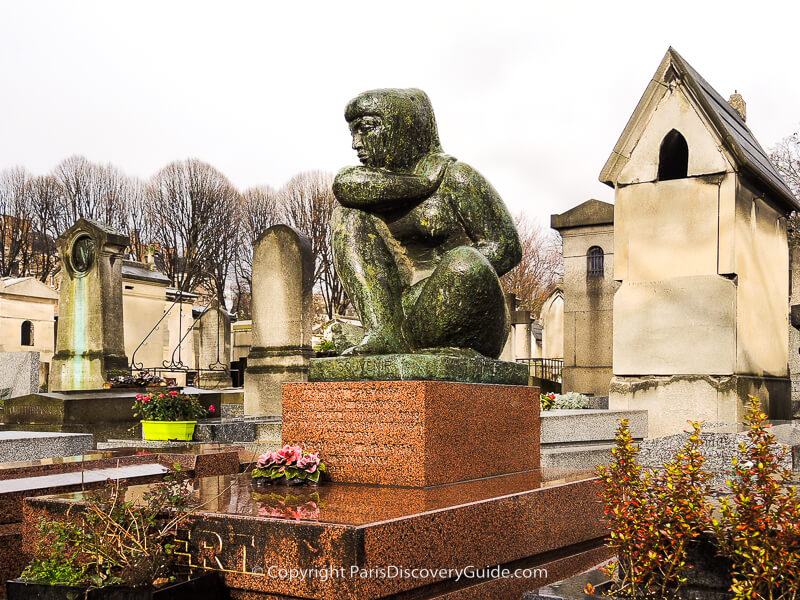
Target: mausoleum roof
143	272
27	286
591	212
738	140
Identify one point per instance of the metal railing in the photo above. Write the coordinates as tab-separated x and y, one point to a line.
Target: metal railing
175	363
549	369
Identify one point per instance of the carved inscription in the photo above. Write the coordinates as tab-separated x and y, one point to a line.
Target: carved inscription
230	552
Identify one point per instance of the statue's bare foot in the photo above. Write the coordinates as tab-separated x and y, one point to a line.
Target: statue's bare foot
377	342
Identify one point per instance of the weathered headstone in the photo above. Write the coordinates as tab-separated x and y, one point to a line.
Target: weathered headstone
283	269
215	348
90	344
19	374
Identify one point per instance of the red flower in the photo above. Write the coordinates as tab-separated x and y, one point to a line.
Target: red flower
173	393
211	409
289	455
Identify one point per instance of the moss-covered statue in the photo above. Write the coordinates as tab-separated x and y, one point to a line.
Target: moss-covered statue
420	238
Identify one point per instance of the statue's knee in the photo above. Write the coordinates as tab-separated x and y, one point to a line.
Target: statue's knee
469	262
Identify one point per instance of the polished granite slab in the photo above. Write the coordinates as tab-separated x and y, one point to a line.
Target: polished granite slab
32	445
32	484
246	530
201	459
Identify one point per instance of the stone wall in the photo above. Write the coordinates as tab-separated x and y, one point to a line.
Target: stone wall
588	311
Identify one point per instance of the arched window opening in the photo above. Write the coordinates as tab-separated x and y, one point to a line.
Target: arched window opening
27	334
673	158
595	266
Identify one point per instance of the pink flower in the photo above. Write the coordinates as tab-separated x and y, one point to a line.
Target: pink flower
145	399
308	463
268	459
211	409
173	393
161	395
289	455
138	396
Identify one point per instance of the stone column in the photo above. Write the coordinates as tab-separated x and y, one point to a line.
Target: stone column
283	275
90	344
215	348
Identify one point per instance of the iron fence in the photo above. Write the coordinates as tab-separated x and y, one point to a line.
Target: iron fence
549	369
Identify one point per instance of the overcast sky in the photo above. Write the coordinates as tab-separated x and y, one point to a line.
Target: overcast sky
532	94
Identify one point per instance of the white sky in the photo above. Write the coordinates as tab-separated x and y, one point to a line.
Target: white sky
533	94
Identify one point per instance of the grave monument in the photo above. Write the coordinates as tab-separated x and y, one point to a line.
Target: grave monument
90	345
432	445
419	242
283	278
214	353
700	248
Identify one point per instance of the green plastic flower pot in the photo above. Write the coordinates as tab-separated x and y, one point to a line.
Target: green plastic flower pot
168	430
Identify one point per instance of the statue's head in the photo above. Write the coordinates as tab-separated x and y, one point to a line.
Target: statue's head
392	128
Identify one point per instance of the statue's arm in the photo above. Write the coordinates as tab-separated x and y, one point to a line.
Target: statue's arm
485	217
373	189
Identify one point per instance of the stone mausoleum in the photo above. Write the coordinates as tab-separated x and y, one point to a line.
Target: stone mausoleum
588	235
700	250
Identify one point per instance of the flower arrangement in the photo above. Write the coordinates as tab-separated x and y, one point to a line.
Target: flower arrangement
570	401
169	406
288	465
141	379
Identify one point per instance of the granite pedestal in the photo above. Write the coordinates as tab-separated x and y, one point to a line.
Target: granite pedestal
414	433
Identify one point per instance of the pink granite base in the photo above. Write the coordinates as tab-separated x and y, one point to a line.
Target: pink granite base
414	433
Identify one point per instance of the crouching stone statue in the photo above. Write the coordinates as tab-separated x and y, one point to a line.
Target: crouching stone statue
420	238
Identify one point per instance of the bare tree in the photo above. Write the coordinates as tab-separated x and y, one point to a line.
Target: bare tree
307	201
15	223
534	279
46	200
140	219
259	211
785	156
196	217
92	191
